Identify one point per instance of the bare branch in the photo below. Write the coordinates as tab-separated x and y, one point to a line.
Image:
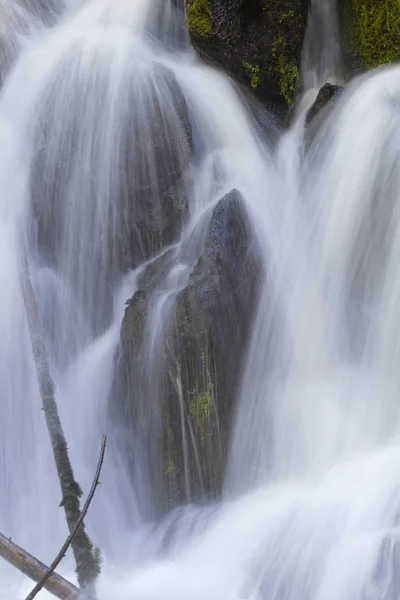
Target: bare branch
79	522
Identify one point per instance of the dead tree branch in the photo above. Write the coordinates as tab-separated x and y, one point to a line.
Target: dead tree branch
33	568
70	538
86	557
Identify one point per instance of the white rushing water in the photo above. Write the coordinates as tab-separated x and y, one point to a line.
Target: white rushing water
311	500
321	60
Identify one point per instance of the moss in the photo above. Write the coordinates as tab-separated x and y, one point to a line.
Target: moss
253	72
377	30
170	468
286	70
199	18
286	15
70	500
201	405
201	397
288	73
89	570
170	458
239	36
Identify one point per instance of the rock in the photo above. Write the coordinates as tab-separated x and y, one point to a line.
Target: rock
203	353
370	33
326	95
258	41
319	112
213	320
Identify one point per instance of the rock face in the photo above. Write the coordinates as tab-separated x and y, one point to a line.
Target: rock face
202	352
370	33
258	41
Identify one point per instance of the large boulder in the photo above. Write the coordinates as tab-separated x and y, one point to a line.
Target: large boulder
325	102
187	413
258	41
370	33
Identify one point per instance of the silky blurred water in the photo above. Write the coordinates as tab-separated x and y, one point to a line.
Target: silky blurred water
94	114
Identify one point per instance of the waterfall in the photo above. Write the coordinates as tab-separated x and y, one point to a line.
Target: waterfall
121	155
321	60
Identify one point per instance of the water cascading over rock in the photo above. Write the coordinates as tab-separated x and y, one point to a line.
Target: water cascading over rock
191	404
139	204
218	296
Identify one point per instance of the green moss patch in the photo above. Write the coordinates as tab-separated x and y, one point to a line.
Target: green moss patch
288	74
253	73
201	405
199	18
286	69
377	30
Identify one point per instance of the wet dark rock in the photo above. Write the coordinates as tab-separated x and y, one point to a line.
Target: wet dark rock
213	319
326	95
258	41
202	357
324	104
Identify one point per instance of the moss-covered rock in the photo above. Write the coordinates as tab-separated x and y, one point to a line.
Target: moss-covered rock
213	319
371	32
258	41
184	401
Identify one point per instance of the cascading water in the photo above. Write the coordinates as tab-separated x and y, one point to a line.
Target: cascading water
321	50
104	118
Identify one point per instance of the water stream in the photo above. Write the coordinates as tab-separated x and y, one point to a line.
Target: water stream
95	108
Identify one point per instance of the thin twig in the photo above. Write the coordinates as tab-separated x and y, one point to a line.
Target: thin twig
65	547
